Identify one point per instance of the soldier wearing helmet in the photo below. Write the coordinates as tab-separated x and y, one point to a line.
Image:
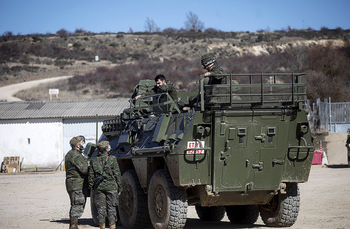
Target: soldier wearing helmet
210	64
105	182
76	173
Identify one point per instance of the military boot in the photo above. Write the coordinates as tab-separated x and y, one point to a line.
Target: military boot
73	224
102	226
112	225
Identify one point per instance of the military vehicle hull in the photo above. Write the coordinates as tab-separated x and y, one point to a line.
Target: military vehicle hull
237	151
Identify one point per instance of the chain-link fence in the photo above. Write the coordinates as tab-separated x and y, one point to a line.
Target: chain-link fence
329	117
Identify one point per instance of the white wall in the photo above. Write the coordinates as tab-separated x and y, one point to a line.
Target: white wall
37	142
85	127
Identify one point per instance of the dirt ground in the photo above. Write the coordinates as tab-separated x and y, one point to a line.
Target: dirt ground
40	201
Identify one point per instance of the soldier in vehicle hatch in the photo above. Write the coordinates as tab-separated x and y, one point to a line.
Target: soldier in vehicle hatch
161	86
210	64
105	182
76	173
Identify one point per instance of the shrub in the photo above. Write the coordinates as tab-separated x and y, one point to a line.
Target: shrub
62	33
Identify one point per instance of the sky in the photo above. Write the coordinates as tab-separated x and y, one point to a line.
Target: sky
113	16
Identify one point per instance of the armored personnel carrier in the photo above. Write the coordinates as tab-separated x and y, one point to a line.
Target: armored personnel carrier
240	149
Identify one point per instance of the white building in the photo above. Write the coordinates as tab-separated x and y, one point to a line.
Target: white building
39	132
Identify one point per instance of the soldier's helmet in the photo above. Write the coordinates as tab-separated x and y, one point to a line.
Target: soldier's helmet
102	145
208	59
75	140
82	138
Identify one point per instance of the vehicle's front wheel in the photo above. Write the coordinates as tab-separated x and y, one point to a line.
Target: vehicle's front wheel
167	204
242	214
133	209
215	213
283	209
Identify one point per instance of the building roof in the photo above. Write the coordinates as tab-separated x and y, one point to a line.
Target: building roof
62	109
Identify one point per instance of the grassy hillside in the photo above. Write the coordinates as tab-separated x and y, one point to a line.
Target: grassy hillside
124	59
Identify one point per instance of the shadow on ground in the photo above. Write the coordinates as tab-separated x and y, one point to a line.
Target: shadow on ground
191	223
197	223
82	221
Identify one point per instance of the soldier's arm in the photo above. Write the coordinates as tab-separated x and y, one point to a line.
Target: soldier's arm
81	164
217	71
170	89
172	92
91	176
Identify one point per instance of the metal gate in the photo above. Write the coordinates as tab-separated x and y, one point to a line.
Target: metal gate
329	117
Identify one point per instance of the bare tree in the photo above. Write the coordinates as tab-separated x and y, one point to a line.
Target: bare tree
151	26
193	23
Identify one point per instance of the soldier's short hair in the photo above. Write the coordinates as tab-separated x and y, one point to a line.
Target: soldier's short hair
160	77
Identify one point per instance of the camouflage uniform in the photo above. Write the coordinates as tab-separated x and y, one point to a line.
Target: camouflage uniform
76	175
216	79
169	88
208	59
106	194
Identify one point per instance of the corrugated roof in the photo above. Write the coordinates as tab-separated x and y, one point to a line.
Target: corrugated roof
62	109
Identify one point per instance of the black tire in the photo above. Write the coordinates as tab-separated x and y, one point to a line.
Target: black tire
215	213
167	204
93	208
283	209
242	214
133	209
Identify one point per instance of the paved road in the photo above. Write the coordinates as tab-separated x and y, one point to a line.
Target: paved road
7	92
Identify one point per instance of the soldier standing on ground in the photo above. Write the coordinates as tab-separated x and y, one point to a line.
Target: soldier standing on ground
210	64
106	192
76	172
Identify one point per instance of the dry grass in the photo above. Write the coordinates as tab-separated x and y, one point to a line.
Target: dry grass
127	58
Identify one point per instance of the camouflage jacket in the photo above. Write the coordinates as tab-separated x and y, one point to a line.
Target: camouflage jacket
216	79
110	172
76	170
169	87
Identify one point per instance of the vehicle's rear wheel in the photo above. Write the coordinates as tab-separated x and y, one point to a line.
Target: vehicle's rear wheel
167	204
242	214
283	209
215	213
133	209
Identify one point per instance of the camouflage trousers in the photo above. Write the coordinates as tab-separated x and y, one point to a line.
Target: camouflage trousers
106	203
77	204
